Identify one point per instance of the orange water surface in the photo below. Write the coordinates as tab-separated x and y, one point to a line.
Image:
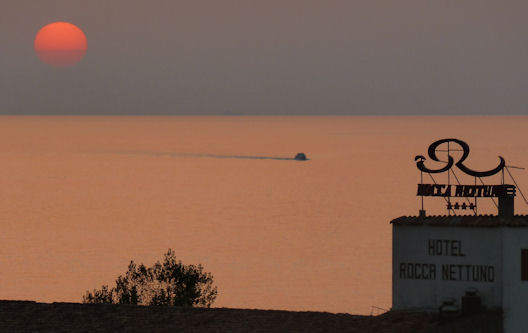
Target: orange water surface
82	196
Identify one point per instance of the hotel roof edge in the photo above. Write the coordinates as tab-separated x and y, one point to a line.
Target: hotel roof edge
464	220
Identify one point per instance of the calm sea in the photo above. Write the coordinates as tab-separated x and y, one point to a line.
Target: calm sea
82	196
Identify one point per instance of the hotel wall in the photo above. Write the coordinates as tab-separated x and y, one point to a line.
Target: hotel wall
482	247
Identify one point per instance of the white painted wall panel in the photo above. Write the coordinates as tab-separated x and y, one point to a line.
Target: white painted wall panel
482	250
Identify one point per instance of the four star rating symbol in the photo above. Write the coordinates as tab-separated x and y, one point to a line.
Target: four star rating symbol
463	206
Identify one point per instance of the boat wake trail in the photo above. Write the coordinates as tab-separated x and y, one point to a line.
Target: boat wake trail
298	157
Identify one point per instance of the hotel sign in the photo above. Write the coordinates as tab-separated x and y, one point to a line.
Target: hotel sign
446	271
465	191
449	189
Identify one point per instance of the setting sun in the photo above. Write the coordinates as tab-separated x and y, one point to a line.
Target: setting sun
61	44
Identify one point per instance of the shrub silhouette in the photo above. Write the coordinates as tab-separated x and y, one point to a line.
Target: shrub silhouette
166	283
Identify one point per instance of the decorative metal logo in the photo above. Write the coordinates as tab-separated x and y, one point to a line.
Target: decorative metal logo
450	162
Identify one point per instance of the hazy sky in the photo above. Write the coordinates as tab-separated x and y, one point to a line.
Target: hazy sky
271	57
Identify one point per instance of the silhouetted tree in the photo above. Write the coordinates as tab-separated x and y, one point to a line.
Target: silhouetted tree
166	283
